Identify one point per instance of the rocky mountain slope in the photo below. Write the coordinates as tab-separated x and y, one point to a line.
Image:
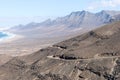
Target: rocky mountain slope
94	55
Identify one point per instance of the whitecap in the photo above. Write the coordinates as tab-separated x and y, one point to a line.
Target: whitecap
9	36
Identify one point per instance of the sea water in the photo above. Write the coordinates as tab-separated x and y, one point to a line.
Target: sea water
2	35
5	36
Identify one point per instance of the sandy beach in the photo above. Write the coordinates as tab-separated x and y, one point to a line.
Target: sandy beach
20	44
10	38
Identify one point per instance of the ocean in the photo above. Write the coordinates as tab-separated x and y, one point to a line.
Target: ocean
3	35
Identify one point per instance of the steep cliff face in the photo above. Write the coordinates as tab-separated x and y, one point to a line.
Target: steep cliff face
91	56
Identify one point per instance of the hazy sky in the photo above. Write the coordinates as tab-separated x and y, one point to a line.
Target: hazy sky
13	12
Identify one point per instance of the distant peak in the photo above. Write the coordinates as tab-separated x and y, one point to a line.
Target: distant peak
109	12
78	13
83	11
103	11
48	20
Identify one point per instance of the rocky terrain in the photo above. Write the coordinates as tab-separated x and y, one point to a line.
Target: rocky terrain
94	55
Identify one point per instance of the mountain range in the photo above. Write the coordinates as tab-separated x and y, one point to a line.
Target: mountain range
94	55
91	55
80	19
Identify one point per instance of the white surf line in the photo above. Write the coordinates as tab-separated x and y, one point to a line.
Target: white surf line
8	36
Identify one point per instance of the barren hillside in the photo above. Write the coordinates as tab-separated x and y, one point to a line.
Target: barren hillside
94	55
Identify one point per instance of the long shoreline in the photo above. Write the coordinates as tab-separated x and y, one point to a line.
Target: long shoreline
10	37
